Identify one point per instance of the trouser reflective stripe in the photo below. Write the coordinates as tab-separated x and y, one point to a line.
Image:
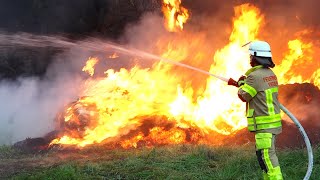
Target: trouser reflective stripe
267	157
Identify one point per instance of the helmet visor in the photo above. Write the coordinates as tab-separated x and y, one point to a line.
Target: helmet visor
260	53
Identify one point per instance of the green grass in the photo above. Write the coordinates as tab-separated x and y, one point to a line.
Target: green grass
172	162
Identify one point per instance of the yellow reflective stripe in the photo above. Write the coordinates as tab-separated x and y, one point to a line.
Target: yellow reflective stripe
267	159
268	119
277	173
251	127
269	126
250	121
253	69
250	112
249	89
263	135
265	119
269	99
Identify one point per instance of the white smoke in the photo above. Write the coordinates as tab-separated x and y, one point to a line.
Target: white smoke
29	105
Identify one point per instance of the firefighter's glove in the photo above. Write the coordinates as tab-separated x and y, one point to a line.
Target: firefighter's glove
241	82
232	82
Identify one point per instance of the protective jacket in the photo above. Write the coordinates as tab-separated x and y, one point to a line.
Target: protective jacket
260	92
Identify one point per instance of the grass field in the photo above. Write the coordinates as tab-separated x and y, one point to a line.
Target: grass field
170	162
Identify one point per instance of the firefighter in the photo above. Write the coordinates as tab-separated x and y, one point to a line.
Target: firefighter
259	89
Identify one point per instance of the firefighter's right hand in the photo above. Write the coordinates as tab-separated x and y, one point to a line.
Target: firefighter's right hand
232	82
241	81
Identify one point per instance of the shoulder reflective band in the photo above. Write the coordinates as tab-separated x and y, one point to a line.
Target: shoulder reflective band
249	89
253	69
269	99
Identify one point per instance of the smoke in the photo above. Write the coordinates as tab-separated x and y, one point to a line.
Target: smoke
29	106
150	35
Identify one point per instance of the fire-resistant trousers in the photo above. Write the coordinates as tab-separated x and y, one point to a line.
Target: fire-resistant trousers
266	154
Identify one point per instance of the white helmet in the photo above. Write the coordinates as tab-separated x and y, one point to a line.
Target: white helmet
260	48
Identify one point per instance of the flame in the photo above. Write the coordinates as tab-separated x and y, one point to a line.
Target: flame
214	107
89	67
296	55
119	100
133	142
298	65
156	135
315	78
161	105
175	15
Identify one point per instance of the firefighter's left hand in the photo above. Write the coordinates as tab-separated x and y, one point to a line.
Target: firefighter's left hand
241	82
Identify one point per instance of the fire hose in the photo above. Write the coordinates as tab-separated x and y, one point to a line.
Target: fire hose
306	140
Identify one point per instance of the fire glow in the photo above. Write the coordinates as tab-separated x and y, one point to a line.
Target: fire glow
146	107
175	15
89	67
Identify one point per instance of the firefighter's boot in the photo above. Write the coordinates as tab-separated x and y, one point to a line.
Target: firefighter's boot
275	174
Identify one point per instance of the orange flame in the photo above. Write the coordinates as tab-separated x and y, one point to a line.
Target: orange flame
156	135
143	107
89	67
175	15
298	65
315	78
122	97
296	55
229	62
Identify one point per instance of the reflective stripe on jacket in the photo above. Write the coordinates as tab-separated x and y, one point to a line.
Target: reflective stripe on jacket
260	92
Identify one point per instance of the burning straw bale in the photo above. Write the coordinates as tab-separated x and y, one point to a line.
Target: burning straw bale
160	131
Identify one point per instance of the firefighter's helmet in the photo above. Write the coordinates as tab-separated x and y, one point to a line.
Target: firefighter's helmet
260	49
